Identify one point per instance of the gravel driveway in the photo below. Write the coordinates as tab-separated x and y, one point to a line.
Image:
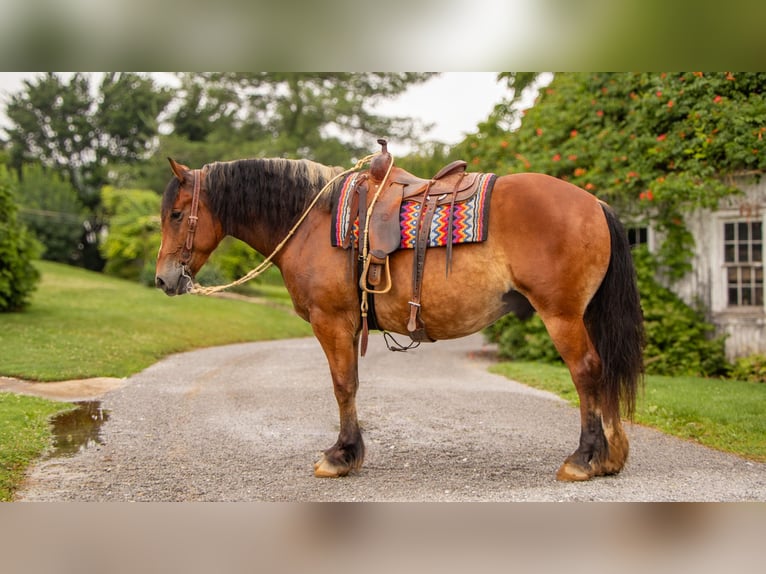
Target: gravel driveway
246	422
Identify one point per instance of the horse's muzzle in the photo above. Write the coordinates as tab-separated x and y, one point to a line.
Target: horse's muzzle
179	284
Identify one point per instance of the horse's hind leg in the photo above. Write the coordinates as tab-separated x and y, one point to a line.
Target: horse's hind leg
340	347
603	446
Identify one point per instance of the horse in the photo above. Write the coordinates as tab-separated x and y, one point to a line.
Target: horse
551	247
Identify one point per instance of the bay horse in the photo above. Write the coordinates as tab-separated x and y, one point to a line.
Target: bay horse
551	247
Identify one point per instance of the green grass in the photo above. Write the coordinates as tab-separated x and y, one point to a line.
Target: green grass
24	436
723	414
82	324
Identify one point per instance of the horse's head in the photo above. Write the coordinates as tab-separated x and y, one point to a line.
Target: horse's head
190	232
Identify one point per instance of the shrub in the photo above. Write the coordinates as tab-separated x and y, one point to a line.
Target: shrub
752	368
130	248
679	339
18	277
522	340
52	211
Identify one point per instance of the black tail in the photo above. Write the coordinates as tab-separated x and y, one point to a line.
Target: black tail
615	324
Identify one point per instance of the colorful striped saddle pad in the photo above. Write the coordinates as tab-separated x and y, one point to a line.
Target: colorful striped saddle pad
470	218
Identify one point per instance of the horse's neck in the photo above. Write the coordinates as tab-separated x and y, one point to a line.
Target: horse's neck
266	232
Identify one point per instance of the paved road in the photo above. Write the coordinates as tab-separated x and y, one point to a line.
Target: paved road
245	423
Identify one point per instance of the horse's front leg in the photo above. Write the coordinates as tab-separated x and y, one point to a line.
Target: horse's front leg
340	346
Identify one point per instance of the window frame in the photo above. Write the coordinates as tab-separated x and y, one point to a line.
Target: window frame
748	271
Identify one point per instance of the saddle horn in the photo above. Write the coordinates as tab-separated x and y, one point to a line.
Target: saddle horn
379	164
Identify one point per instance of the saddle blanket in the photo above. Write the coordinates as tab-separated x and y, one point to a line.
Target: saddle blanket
470	218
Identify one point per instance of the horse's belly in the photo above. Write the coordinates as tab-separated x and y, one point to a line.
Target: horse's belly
453	305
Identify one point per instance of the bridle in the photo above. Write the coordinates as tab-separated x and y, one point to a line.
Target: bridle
186	252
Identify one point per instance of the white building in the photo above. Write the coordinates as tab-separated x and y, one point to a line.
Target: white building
727	268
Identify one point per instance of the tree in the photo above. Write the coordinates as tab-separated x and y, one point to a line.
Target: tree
18	277
74	130
325	116
59	124
50	208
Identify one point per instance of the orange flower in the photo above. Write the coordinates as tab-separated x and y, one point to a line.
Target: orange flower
556	157
503	144
670	103
717	99
589	186
573	134
661	137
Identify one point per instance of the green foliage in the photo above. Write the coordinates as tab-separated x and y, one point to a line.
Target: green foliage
18	277
131	246
324	116
62	125
751	368
51	209
654	145
519	340
679	339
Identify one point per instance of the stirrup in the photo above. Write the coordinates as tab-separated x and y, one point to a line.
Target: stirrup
364	286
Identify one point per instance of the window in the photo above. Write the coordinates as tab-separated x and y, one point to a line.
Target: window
638	236
743	259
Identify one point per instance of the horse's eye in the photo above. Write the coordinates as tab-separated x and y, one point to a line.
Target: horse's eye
177	215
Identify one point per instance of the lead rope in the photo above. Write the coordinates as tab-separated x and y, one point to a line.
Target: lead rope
266	263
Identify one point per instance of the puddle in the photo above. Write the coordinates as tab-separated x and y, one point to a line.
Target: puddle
76	430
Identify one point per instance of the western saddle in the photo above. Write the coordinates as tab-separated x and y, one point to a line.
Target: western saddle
377	201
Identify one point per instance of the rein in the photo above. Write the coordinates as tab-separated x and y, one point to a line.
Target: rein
266	263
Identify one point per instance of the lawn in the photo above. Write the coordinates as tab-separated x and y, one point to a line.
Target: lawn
82	324
723	414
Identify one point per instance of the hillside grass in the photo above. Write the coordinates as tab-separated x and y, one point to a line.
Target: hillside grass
83	324
723	414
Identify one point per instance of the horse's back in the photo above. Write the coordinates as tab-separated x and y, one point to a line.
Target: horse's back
547	240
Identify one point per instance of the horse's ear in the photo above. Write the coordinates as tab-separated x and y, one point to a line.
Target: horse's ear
179	169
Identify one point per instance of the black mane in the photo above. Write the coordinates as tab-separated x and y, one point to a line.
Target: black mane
272	191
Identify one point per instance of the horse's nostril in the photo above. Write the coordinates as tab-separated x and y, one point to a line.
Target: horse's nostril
159	283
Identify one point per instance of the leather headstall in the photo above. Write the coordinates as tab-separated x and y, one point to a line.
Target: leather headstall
186	253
